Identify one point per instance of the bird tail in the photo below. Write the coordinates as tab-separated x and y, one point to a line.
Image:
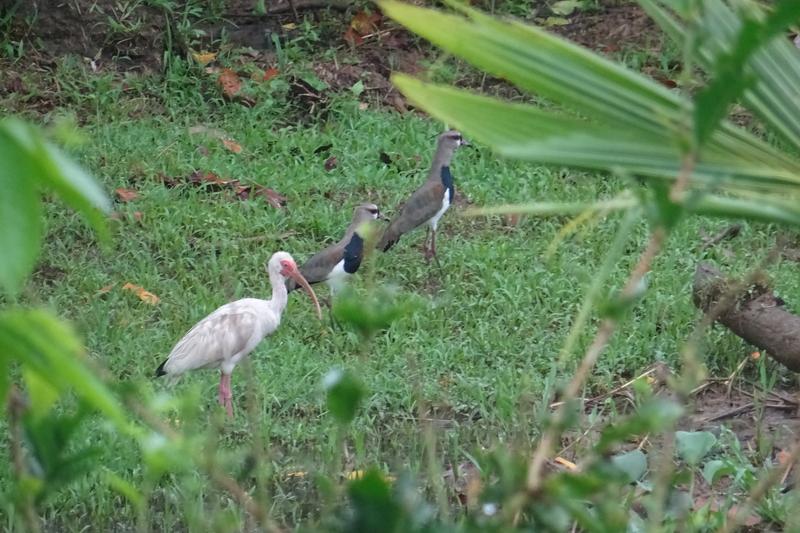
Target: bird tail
160	370
388	239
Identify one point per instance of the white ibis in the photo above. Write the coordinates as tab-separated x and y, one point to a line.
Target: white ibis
230	333
339	261
431	200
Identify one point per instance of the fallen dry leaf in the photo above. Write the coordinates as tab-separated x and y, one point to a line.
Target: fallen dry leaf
363	24
230	82
137	216
273	197
331	163
145	296
233	146
569	465
204	58
358	474
269	74
297	474
211	132
363	106
126	195
106	289
213	182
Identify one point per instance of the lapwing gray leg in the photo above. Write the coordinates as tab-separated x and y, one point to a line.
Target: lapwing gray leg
433	249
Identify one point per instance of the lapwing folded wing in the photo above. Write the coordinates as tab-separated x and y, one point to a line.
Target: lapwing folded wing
431	200
339	261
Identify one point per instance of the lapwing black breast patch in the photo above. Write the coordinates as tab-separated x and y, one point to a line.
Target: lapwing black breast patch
353	253
447	181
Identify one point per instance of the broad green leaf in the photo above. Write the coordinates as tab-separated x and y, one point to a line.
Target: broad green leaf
605	92
715	469
565	7
41	394
47	347
371	312
632	463
731	77
653	416
524	132
20	215
344	393
692	446
776	66
539	62
52	169
373	508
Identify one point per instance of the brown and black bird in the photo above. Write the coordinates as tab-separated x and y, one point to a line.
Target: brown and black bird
429	202
339	261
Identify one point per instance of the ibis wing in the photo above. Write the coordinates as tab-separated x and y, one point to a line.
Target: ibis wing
215	339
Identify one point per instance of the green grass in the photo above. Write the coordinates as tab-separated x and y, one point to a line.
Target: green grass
479	351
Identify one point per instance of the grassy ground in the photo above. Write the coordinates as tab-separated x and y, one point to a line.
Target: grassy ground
478	354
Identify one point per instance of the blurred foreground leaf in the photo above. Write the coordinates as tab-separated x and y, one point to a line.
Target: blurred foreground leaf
343	394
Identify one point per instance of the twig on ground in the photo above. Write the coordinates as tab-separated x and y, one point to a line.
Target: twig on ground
728	233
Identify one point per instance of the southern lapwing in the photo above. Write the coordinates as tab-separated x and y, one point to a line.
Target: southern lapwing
339	261
429	202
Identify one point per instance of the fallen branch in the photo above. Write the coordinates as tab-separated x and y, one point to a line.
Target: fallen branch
755	314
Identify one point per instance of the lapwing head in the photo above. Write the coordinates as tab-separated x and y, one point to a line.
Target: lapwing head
451	140
367	211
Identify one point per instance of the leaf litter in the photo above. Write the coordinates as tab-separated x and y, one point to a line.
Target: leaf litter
144	295
212	182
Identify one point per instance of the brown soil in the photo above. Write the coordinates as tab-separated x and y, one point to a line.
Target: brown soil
136	39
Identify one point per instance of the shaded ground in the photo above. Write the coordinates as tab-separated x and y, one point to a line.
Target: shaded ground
116	38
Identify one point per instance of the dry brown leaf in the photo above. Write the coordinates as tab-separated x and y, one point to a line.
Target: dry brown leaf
106	289
270	73
365	23
233	146
569	465
273	197
230	82
137	216
204	58
144	295
126	195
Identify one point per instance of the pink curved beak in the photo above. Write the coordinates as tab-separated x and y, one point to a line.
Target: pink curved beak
295	274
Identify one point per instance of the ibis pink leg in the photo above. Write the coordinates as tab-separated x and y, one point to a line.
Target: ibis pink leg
225	393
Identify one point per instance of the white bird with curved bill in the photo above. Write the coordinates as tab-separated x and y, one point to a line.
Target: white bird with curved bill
230	333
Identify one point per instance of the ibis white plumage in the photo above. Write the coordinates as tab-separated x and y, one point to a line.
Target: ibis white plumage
230	333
